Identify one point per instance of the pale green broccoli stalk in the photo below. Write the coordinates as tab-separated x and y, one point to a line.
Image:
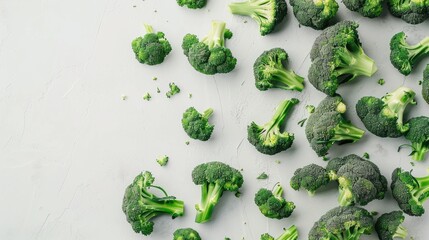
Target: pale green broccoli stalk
289	234
152	48
162	160
404	56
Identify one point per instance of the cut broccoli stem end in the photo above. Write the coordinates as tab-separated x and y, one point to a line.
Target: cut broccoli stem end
259	10
210	196
278	191
356	64
346	132
419	151
216	36
207	113
173	207
290	234
401	232
286	79
346	196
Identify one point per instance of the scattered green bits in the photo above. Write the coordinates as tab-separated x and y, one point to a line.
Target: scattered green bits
381	81
154	78
162	160
190	95
124	97
187	142
147	97
310	108
174	89
157	90
302	122
262	176
366	155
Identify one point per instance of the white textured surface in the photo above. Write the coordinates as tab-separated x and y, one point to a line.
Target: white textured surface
69	145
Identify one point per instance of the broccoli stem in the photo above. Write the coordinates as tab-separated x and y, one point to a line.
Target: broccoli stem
421	193
345	197
347	132
285	79
259	10
149	28
419	150
207	113
419	50
290	234
216	36
273	126
355	64
401	232
396	102
278	191
172	207
209	198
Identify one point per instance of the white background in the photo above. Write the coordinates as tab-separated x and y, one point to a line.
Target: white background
69	145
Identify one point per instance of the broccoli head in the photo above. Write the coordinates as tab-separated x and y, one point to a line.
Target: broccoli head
418	135
197	125
404	56
214	178
210	56
411	11
272	204
186	234
327	126
140	205
289	234
410	192
192	4
174	89
268	138
317	14
267	13
311	178
425	84
152	48
337	57
389	226
342	223
384	117
269	72
367	8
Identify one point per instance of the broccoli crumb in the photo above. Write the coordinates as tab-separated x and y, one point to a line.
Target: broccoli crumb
187	142
302	122
262	176
237	194
310	108
366	155
162	160
124	97
190	95
174	89
154	78
157	90
147	97
277	161
325	158
381	81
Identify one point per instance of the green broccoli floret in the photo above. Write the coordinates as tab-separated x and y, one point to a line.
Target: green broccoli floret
418	135
272	204
311	178
210	56
342	223
410	192
367	8
197	125
174	89
388	226
162	160
214	178
337	57
384	117
404	56
186	234
269	72
192	4
268	138
152	48
267	13
411	11
289	234
425	84
140	205
327	126
317	14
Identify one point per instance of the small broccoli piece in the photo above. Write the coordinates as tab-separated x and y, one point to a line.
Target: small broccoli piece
425	84
192	4
388	226
342	223
174	89
418	135
317	14
272	204
152	48
310	108
367	8
411	11
404	56
140	205
311	178
269	72
410	192
147	97
162	160
366	155
289	234
381	81
327	126
268	138
186	234
384	117
214	178
337	57
262	176
267	13
210	56
197	125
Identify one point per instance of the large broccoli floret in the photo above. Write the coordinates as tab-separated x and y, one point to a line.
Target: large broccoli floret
410	192
193	4
411	11
425	84
268	138
152	48
186	234
197	125
289	234
389	226
317	14
272	204
342	223
418	135
267	13
214	178
269	72
404	56
140	205
311	178
384	117
337	57
327	126
210	56
367	8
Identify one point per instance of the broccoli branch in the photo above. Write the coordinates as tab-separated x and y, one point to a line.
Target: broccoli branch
401	232
259	10
149	28
290	234
417	51
355	64
421	193
210	195
346	196
347	132
284	79
419	150
207	113
216	36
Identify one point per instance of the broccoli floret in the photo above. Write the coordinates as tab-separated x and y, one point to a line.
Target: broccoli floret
289	234
140	205
418	135
342	223
411	11
388	226
210	56
404	56
214	178
272	204
174	89
337	57
268	138
410	192
367	8
192	4
152	48
425	84
197	125
262	176
384	117
162	160
311	178
317	14
327	126
267	13
186	234
269	72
